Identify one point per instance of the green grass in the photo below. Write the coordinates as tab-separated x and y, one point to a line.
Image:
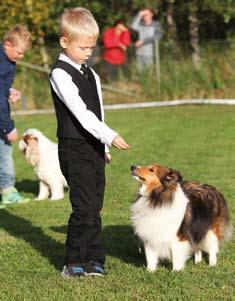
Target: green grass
197	140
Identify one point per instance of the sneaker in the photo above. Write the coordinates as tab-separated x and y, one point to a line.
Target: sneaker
13	197
93	268
72	271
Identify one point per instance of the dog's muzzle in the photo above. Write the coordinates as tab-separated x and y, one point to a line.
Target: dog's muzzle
133	170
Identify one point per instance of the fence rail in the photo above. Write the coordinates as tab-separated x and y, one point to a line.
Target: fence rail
172	77
104	86
139	105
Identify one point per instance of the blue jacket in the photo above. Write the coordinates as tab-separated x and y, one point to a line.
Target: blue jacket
7	73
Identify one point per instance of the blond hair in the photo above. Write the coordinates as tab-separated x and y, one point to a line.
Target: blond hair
19	36
77	22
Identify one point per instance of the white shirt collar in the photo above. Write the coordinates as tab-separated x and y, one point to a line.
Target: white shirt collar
65	58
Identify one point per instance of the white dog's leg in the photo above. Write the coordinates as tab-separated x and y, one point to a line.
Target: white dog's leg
198	256
57	190
43	191
210	244
180	253
151	258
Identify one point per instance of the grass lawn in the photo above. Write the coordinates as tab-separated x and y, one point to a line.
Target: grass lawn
197	140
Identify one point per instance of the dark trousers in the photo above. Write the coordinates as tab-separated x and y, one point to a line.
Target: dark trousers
83	166
112	72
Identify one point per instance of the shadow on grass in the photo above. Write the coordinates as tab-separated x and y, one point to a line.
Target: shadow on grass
27	186
24	230
120	242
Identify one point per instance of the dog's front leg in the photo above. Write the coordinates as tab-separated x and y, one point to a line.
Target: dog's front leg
151	258
180	253
197	256
57	190
43	191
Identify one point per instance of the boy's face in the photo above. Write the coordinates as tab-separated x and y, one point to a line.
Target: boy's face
13	52
79	50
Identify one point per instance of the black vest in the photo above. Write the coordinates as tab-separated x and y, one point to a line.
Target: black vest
68	125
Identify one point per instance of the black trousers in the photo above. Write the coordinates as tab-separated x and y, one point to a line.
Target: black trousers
83	166
113	71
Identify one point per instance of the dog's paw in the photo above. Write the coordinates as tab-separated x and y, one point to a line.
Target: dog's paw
151	269
39	199
198	257
178	267
57	198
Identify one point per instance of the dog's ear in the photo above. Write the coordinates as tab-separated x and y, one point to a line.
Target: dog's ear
26	138
32	151
22	146
173	176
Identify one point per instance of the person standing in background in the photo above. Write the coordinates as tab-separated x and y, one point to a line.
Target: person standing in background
116	40
149	31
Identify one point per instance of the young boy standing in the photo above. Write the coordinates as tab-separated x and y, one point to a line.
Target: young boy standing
16	41
83	137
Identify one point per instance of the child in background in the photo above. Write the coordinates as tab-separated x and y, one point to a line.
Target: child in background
83	138
16	42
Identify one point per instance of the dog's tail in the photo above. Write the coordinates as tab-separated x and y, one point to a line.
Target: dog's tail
227	231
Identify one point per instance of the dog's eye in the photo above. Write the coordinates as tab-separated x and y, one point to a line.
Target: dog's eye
151	170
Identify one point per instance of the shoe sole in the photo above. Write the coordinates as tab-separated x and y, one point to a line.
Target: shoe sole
86	274
65	275
93	274
20	202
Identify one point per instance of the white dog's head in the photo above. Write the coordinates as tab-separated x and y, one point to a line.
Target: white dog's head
29	145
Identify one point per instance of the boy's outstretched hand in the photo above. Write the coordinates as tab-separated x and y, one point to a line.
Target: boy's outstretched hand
120	143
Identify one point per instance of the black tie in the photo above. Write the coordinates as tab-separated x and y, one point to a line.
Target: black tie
84	70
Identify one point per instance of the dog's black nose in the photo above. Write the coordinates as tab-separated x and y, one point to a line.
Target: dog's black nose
133	167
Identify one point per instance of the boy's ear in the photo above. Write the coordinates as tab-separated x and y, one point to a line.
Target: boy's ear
7	44
63	42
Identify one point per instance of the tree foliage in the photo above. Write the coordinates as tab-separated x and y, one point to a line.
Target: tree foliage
42	16
215	18
225	8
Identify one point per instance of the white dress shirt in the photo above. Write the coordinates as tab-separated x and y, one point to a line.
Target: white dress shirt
68	92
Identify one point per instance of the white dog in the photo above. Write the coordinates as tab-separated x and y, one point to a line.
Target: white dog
42	153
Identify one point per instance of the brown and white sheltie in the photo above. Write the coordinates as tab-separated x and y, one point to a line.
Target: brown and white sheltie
175	219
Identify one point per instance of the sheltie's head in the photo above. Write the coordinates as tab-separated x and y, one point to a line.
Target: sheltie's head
158	182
